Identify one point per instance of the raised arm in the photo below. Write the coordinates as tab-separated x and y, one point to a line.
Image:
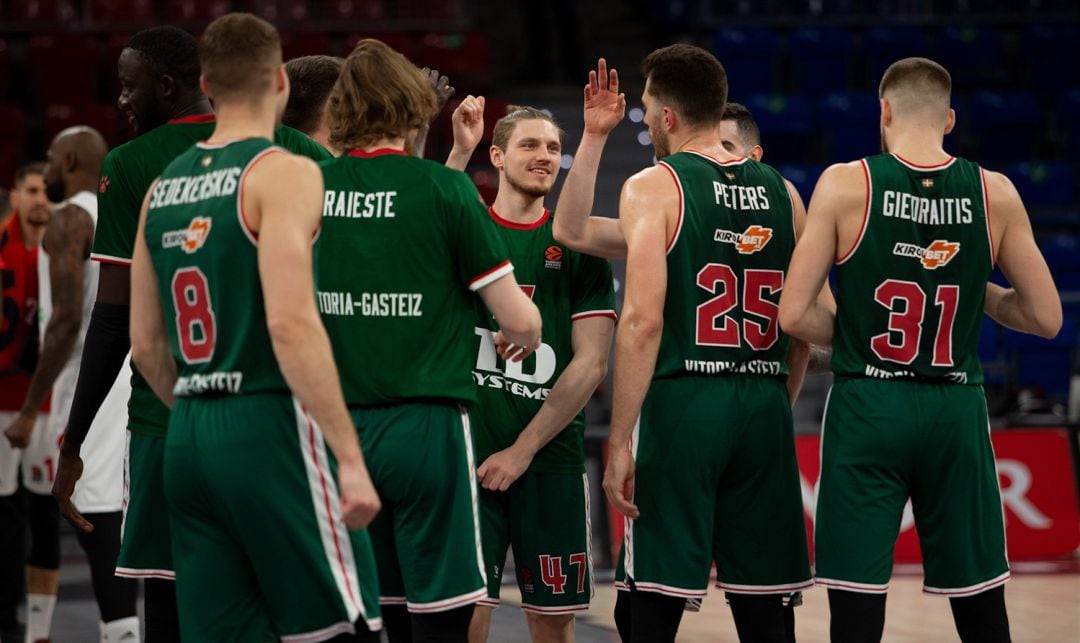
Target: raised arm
443	92
573	224
286	191
67	240
648	201
805	311
1031	304
591	338
149	339
468	124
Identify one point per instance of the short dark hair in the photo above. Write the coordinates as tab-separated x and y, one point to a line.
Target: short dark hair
917	85
311	78
239	53
690	78
170	51
744	123
37	167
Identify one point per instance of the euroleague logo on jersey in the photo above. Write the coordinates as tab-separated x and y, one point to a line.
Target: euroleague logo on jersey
553	257
752	240
933	256
191	239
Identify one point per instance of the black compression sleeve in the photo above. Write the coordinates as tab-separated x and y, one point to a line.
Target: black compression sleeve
107	344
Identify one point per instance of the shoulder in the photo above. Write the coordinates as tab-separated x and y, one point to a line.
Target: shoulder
278	162
652	180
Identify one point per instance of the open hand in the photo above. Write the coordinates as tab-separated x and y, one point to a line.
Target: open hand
468	122
604	105
69	469
619	481
441	84
503	468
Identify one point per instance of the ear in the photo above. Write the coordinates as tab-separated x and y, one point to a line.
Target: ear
70	163
167	86
496	155
756	152
281	79
950	123
202	84
886	113
670	119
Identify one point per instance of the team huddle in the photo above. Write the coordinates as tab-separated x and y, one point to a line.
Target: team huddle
357	386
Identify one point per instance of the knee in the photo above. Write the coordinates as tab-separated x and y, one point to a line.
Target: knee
549	622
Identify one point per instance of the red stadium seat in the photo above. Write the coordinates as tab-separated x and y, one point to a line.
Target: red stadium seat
353	10
279	11
40	11
121	12
459	53
294	45
66	68
101	117
430	10
13	125
399	42
113	47
196	10
5	64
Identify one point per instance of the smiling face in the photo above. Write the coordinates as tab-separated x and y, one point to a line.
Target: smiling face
140	99
532	156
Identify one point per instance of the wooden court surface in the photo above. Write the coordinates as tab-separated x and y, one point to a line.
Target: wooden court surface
1043	608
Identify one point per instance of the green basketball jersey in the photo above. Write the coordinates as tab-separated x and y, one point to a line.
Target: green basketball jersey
910	292
126	175
566	286
726	265
403	242
206	260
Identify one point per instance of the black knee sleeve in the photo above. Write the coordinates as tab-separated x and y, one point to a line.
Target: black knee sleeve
115	595
982	617
44	517
654	618
759	618
162	621
622	615
855	617
397	623
12	556
451	626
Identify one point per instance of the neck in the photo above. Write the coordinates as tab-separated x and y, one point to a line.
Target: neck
238	121
79	183
515	206
705	141
384	143
31	234
922	145
194	105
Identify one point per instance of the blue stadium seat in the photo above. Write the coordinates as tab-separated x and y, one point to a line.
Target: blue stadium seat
991	352
749	56
882	46
821	59
850	123
974	56
1005	125
786	125
1068	121
1044	185
1041	362
1047	50
803	177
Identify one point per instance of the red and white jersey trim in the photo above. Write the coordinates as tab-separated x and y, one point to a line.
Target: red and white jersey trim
986	215
561	609
249	232
491	275
924	168
585	314
325	633
971	590
866	215
765	589
668	590
128	572
116	261
392	600
682	207
852	586
738	161
448	603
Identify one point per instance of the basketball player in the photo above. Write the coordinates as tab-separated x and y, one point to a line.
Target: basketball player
530	424
915	234
229	263
160	94
702	451
23	448
67	283
405	243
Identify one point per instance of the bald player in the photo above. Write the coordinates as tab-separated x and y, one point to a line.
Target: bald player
67	281
915	234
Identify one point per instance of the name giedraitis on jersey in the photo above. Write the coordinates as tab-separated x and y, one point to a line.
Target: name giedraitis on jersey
371	304
920	209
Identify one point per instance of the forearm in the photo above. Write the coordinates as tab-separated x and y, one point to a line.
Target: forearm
104	350
636	348
1008	307
418	144
155	363
303	352
814	325
458	159
569	395
797	359
60	336
574	224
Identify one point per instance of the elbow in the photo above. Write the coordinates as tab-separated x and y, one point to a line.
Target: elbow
142	353
565	236
791	321
642	328
1049	325
522	326
285	330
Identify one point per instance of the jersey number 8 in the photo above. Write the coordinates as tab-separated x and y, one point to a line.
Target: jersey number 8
195	321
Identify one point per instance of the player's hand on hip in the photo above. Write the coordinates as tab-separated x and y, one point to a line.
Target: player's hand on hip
604	105
468	122
619	482
444	91
69	469
359	500
19	431
512	352
503	468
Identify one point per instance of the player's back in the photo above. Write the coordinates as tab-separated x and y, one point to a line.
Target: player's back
726	265
910	292
206	260
403	241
